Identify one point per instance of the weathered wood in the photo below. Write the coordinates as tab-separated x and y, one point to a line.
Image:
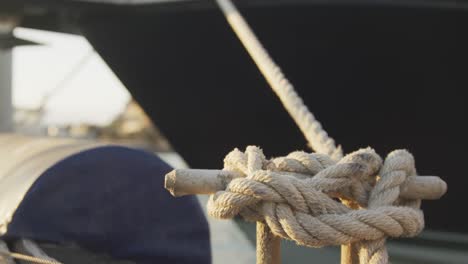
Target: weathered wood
349	254
182	182
188	181
268	245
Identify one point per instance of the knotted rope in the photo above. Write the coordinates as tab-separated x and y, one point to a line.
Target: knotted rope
398	166
296	196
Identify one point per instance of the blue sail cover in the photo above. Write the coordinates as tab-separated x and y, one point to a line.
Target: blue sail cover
111	200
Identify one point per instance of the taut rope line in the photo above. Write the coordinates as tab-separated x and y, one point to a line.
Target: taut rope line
19	256
305	120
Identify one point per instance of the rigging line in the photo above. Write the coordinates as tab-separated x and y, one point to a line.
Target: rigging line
28	258
305	120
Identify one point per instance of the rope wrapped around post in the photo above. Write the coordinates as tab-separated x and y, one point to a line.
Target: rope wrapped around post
298	196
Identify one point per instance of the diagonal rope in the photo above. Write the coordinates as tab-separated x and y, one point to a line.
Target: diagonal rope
305	120
6	256
32	259
28	258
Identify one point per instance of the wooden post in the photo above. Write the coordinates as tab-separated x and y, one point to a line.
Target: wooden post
268	245
182	182
349	254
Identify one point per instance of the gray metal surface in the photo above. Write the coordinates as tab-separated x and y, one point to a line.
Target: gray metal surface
6	106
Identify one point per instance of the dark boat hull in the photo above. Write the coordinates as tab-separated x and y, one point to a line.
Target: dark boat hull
375	75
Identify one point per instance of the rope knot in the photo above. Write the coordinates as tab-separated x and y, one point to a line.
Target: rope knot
299	196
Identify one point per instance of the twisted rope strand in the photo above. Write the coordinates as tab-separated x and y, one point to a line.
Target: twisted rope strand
300	113
398	166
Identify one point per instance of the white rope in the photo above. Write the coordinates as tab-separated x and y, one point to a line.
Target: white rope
32	259
310	127
5	254
304	210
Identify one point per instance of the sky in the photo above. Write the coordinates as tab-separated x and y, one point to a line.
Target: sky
92	93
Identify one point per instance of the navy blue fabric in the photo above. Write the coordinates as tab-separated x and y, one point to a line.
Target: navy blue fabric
112	200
